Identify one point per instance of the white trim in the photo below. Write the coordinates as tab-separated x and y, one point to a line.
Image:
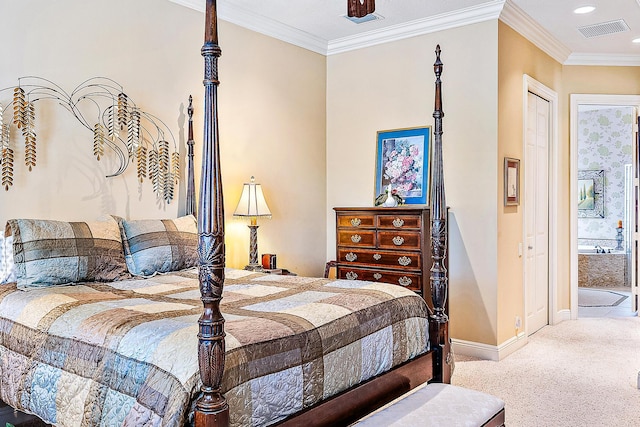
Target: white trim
562	315
517	19
261	24
505	10
529	84
489	352
582	99
459	18
603	59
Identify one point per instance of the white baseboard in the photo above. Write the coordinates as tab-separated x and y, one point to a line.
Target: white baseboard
486	351
561	316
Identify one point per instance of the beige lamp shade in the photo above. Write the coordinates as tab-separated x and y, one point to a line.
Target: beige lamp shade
252	202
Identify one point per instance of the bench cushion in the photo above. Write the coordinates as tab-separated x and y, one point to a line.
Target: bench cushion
436	405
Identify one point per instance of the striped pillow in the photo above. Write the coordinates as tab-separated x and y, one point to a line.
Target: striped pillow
161	245
48	253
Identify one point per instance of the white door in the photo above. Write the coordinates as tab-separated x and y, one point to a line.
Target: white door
634	221
536	213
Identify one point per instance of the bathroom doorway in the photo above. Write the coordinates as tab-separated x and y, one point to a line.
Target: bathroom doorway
603	209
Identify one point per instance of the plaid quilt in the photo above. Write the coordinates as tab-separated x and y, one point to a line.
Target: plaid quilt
125	353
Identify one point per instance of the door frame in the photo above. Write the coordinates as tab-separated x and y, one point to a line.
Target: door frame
529	84
583	99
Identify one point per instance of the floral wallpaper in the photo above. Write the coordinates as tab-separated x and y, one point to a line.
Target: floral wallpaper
605	142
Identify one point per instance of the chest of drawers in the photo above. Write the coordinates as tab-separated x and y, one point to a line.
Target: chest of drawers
388	245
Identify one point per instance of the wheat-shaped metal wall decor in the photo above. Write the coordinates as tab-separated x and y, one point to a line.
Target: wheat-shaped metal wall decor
132	134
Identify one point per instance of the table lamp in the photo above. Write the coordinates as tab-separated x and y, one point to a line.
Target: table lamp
252	205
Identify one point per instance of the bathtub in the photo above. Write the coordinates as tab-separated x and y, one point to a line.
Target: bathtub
591	249
602	270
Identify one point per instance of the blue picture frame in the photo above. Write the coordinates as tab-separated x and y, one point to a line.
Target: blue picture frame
402	161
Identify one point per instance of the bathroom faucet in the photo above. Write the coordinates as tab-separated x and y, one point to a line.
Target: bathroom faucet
599	249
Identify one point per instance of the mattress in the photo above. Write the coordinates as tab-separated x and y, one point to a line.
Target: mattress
125	353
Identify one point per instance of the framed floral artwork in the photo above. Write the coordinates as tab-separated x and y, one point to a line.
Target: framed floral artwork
402	163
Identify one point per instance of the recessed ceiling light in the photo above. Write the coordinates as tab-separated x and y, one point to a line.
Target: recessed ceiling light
584	9
636	40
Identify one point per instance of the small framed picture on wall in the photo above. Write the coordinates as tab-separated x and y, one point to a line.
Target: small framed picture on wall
511	181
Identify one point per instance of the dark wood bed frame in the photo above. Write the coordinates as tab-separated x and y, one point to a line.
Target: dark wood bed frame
211	408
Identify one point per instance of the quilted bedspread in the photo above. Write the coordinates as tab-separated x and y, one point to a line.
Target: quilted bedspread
125	353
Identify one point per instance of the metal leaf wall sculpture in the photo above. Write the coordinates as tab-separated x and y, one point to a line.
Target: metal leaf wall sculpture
6	154
131	134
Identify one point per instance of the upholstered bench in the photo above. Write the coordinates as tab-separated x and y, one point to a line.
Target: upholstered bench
440	405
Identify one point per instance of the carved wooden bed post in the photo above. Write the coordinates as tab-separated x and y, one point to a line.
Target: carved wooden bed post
439	331
211	407
191	186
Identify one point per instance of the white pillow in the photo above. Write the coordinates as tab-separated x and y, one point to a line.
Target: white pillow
7	269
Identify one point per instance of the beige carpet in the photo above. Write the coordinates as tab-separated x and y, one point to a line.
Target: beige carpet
579	373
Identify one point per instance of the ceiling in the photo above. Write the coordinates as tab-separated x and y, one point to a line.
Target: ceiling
321	26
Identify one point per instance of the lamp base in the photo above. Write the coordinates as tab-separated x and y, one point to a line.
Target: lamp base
253	267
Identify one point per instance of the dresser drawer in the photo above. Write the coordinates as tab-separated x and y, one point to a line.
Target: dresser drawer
361	238
400	222
408	240
412	281
400	259
357	220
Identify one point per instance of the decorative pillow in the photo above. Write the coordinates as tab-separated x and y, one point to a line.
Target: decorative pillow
7	269
48	253
161	245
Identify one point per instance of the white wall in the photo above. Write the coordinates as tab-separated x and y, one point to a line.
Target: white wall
392	86
68	42
272	117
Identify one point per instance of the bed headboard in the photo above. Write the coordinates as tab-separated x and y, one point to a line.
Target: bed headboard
191	181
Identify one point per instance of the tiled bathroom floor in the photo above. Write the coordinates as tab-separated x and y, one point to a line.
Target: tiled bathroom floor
621	310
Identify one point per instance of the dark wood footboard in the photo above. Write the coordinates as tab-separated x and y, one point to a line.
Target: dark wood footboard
353	404
9	416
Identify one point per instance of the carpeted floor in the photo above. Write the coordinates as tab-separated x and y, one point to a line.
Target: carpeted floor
578	373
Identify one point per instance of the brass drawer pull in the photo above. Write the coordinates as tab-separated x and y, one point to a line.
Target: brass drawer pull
351	257
404	260
356	222
377	276
351	275
404	281
398	222
377	257
356	238
398	240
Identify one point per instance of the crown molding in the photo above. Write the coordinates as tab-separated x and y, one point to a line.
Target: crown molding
472	15
504	10
517	19
252	21
603	59
258	23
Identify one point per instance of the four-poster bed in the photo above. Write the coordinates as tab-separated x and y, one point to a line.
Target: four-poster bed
131	356
211	408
